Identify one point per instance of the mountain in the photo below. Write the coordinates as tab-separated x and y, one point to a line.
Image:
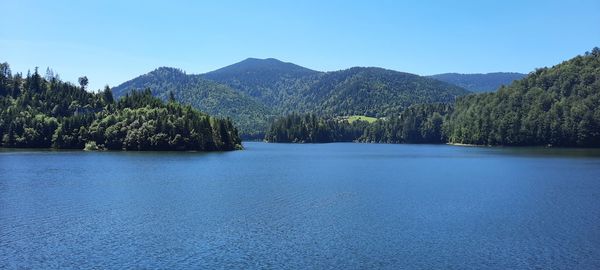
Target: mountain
373	92
287	88
478	83
559	106
269	80
247	113
254	91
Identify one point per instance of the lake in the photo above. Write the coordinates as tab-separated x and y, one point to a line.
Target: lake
302	206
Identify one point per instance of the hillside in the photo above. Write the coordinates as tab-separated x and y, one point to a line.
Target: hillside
559	106
271	81
288	88
373	92
478	83
248	114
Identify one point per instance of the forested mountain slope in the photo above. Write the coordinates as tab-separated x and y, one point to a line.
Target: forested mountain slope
247	113
271	81
558	106
374	92
366	91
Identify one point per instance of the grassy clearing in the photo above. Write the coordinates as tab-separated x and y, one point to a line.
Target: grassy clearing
353	118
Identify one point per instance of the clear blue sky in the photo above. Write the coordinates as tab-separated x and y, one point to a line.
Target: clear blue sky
113	41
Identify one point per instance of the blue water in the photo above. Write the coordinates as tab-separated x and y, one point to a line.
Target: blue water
273	206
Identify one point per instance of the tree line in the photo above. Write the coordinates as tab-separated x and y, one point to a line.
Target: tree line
309	128
558	106
417	124
44	112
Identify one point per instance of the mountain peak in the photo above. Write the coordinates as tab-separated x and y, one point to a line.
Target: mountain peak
158	75
257	65
168	70
253	59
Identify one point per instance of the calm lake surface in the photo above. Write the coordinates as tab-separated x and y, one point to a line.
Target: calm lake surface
312	206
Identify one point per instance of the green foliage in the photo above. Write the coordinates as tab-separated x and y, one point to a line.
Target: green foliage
254	91
373	92
107	95
478	83
269	81
83	81
417	124
362	91
312	129
247	113
91	146
559	106
41	112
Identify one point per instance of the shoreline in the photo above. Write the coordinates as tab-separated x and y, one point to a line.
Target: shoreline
45	149
468	145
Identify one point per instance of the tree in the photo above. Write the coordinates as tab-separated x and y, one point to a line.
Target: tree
49	74
5	76
107	95
171	97
83	82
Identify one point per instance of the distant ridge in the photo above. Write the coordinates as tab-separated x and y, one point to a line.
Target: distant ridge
480	82
255	65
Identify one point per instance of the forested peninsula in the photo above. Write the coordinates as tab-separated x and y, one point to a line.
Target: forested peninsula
557	106
44	112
